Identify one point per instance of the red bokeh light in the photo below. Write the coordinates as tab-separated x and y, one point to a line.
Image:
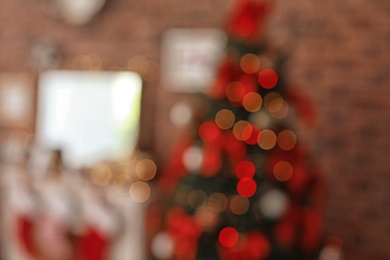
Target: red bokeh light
243	26
228	237
258	246
209	131
246	187
245	169
268	78
254	135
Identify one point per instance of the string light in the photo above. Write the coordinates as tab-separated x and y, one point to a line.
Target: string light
252	102
196	198
101	174
261	118
146	169
239	205
287	140
283	171
139	191
250	63
224	119
238	130
273	101
267	139
235	91
121	183
282	112
273	203
182	194
217	201
193	158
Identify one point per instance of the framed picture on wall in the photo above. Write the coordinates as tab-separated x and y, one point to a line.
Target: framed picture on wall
190	57
17	99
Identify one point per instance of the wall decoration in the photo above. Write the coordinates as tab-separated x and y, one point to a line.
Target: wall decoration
189	58
17	99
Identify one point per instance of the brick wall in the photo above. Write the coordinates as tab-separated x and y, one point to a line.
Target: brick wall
339	57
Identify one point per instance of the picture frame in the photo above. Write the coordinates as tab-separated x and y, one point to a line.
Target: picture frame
190	57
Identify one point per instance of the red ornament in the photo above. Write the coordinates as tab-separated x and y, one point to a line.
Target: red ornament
209	131
228	237
246	187
248	18
268	78
245	169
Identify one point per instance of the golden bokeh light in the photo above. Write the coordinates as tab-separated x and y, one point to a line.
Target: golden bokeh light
224	119
283	171
252	101
121	183
273	102
101	174
239	205
250	63
135	63
217	201
196	198
267	139
139	191
182	194
149	70
146	169
287	140
90	61
241	130
282	112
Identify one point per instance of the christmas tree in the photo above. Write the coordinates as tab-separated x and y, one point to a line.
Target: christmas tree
243	186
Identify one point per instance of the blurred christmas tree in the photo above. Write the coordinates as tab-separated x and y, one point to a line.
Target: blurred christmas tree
244	186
